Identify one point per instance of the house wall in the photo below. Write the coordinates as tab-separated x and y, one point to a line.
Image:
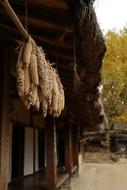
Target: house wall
10	154
36	151
28	150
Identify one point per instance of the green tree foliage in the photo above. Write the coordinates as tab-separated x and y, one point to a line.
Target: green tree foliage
115	75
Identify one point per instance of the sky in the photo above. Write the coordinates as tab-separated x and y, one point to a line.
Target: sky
112	14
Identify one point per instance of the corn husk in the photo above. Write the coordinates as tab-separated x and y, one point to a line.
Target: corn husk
28	99
62	99
44	107
59	106
34	69
55	94
27	53
61	92
42	51
20	73
26	80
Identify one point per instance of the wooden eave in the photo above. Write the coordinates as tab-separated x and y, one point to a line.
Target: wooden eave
51	25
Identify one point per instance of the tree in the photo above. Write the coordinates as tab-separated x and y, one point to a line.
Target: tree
115	75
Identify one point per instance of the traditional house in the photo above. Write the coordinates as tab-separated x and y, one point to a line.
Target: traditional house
37	153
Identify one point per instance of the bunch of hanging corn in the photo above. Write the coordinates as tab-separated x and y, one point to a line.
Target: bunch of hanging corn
38	83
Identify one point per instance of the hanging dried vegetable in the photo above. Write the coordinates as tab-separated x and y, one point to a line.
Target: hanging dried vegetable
38	83
27	53
20	73
34	69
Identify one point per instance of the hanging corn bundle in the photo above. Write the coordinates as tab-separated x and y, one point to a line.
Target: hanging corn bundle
38	83
55	95
45	78
57	104
20	73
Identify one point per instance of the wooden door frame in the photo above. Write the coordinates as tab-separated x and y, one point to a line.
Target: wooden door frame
22	148
4	114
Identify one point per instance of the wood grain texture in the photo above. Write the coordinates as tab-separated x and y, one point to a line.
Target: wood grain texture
4	121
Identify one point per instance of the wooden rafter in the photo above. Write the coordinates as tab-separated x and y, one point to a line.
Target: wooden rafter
47	40
56	4
39	23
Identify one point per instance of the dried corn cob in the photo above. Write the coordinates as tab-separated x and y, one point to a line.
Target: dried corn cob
50	110
55	93
27	53
34	88
34	69
19	61
25	102
20	81
28	99
45	78
20	73
26	80
59	106
61	91
62	99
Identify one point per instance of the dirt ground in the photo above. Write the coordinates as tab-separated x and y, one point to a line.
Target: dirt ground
102	156
101	176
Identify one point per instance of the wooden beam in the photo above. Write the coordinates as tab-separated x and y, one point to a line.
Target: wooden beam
39	22
42	24
68	146
44	39
55	4
51	154
4	118
61	55
10	12
75	146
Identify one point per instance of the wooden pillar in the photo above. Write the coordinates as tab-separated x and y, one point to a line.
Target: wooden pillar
34	139
51	154
68	147
75	146
4	119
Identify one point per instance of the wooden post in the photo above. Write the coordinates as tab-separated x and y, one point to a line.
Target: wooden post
75	146
51	154
34	139
4	119
68	147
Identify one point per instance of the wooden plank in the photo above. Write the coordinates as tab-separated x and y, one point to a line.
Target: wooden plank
47	40
62	180
4	120
75	146
39	22
42	24
51	154
68	147
55	4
